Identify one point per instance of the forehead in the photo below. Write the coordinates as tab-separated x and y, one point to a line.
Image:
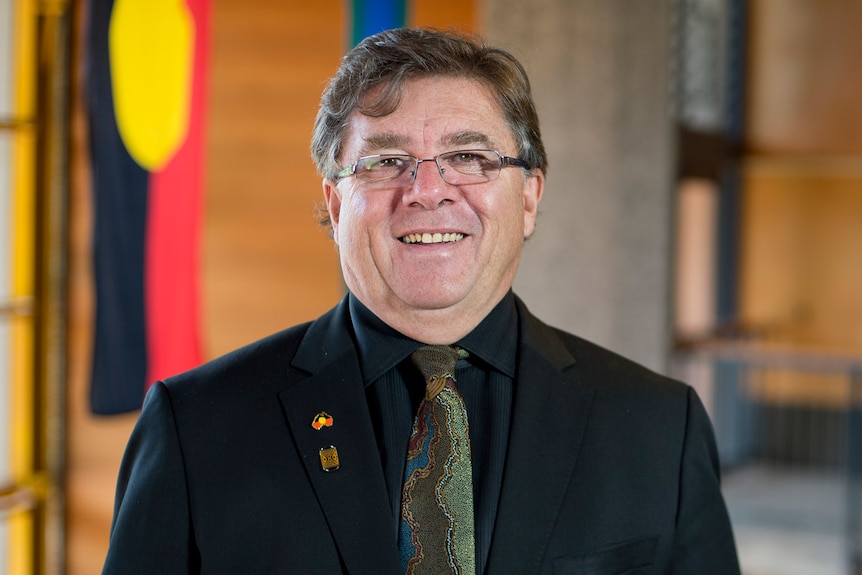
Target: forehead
434	114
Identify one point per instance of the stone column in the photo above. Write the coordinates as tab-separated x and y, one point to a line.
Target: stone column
600	262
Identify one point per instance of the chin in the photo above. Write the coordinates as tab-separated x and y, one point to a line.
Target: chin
431	301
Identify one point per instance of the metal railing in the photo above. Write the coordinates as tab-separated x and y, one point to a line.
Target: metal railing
796	413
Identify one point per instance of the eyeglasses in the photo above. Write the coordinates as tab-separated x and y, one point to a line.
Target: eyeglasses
457	168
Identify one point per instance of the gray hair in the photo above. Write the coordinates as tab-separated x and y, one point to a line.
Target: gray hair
388	59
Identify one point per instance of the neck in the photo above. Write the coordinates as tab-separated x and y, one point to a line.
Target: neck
435	326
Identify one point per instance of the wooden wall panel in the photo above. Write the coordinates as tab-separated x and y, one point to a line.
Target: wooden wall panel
266	263
444	14
801	252
804	83
802	212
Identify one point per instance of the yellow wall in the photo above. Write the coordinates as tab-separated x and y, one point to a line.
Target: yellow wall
21	376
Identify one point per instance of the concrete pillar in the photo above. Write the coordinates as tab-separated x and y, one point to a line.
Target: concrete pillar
600	262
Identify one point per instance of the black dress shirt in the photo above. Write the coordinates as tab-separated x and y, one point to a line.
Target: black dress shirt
394	389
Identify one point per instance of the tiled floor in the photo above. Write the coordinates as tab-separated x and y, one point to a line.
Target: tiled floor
789	522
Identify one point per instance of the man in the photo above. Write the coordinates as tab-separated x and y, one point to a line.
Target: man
291	455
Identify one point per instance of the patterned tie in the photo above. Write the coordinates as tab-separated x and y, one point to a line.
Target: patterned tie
436	531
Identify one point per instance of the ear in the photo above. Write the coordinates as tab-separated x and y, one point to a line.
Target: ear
332	199
533	189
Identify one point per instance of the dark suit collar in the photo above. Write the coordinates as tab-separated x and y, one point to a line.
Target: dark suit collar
548	420
381	347
354	500
543	339
327	338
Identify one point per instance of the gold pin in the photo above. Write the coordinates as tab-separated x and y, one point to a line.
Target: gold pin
321	420
329	458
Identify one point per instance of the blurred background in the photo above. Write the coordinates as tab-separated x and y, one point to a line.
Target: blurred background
703	215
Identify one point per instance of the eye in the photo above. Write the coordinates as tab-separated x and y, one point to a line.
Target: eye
389	162
383	163
382	168
466	158
473	161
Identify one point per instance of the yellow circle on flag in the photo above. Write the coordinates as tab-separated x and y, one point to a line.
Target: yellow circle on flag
151	45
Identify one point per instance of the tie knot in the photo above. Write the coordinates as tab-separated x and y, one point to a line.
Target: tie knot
437	364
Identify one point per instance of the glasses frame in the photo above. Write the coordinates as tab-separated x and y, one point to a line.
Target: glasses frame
505	161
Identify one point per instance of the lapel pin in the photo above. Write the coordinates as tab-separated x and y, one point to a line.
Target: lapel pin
329	458
321	420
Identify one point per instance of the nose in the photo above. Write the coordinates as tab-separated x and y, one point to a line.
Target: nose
429	189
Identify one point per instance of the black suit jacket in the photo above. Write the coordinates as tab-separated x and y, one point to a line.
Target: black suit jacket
611	468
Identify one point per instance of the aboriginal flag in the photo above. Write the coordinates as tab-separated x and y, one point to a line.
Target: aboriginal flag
146	80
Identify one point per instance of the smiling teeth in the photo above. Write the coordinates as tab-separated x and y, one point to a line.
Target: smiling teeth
428	238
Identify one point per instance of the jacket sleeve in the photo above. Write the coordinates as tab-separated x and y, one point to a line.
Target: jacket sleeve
151	530
704	538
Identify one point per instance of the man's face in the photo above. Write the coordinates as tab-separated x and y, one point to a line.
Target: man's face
397	279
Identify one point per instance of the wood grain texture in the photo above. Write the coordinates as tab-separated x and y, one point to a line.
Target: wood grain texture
266	262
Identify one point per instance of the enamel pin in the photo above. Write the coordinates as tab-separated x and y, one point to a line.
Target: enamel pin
321	420
329	458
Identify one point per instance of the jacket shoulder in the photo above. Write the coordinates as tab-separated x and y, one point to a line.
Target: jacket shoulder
594	364
271	353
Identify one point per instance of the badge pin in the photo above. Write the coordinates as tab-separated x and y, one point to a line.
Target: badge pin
321	420
329	458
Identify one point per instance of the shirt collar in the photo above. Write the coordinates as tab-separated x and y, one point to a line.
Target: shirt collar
381	348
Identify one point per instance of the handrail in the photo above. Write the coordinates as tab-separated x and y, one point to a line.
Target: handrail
16	307
768	355
753	356
12	498
13	124
25	495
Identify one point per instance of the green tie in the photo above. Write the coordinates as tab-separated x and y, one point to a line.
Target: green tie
436	530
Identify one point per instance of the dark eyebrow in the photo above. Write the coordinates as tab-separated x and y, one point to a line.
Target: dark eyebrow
376	142
467	138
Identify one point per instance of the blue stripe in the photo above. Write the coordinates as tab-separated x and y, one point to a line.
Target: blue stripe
120	190
372	16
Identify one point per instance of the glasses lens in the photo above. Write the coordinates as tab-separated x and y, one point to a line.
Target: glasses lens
471	166
375	169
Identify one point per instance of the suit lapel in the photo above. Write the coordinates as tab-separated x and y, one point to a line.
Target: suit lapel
353	497
549	417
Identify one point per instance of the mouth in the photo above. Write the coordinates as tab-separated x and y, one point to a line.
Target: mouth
432	238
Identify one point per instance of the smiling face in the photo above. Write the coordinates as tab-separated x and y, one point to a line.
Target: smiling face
429	258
